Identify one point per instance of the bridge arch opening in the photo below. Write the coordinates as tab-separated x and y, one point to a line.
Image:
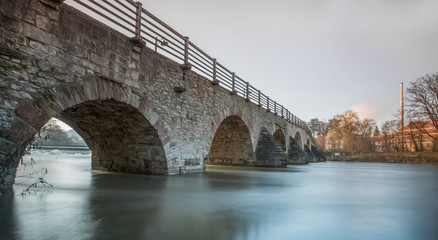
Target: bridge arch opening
55	133
280	138
231	144
120	137
298	139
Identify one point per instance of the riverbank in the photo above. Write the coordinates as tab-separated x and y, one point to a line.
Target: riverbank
412	158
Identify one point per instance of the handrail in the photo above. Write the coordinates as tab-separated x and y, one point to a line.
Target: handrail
133	20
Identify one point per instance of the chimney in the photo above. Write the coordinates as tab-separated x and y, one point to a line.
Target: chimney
401	106
402	117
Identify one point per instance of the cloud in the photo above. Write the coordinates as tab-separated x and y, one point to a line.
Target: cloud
63	125
366	110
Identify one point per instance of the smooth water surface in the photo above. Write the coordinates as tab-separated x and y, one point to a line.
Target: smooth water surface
330	200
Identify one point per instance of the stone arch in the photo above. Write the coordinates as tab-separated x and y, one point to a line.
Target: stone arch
231	144
268	151
280	138
121	139
94	95
298	139
225	113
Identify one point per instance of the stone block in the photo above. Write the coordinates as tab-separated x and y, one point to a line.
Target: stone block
42	22
11	23
54	4
135	56
36	33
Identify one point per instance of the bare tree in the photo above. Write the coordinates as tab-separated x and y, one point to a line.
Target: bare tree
416	133
318	127
376	131
345	126
313	125
363	137
423	102
389	129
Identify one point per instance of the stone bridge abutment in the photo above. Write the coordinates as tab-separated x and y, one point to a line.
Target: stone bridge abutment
138	111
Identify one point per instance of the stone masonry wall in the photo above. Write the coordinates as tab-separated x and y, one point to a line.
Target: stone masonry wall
231	144
268	152
295	154
54	59
280	139
311	158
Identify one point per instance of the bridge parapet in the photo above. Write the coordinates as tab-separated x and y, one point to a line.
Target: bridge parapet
133	20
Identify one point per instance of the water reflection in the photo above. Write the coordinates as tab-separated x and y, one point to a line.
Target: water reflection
161	207
317	201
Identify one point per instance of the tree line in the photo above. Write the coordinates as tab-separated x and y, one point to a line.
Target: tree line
53	135
346	132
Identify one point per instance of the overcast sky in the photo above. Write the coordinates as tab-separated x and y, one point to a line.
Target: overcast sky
319	58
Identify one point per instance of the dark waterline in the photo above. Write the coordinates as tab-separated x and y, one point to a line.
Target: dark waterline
332	200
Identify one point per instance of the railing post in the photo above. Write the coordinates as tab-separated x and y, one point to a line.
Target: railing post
267	104
275	107
247	92
282	109
156	44
186	65
215	81
258	99
233	84
186	50
136	40
138	21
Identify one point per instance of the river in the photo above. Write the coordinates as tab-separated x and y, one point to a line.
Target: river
332	200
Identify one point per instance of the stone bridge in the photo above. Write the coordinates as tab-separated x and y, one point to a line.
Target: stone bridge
138	111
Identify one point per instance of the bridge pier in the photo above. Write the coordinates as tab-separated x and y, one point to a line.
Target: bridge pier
311	158
268	152
296	154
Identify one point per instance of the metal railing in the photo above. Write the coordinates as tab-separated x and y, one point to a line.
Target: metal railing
131	19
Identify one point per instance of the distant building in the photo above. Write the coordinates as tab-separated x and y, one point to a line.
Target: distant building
420	136
417	137
379	143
